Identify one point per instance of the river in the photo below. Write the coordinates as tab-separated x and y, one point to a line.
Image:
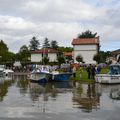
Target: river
21	99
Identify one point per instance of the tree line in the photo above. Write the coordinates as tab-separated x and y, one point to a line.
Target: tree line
23	55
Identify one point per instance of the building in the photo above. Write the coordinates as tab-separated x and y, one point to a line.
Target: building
37	55
116	55
87	48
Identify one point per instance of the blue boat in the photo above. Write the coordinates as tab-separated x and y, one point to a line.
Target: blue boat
61	76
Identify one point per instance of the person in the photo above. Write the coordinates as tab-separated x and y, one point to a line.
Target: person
74	71
89	71
93	71
80	71
98	69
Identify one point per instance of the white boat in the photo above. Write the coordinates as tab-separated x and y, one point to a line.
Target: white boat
40	75
2	74
112	77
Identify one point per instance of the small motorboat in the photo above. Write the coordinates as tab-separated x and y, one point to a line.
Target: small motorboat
41	75
112	77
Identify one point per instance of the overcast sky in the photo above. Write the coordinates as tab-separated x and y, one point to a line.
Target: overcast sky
60	20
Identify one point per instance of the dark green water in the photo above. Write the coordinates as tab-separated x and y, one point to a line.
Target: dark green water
21	99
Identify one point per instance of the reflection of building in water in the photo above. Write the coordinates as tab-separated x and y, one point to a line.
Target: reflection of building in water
86	97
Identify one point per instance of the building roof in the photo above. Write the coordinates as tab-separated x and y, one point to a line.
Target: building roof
85	41
45	50
67	53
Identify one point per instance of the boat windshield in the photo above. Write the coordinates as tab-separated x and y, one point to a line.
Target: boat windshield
114	69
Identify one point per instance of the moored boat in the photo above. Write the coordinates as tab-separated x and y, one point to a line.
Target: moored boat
112	77
56	76
40	75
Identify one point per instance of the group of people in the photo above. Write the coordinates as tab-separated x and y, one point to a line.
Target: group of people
91	70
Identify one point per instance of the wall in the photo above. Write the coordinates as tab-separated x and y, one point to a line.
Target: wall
86	51
36	57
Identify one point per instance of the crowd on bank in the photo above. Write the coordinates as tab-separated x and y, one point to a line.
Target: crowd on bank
91	70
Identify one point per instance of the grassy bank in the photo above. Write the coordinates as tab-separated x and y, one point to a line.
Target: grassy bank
85	76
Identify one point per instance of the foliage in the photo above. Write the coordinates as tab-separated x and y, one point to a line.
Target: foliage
3	46
46	43
96	57
5	55
87	34
54	44
61	59
65	49
79	58
24	54
34	44
45	60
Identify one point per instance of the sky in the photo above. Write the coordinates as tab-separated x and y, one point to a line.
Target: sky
60	20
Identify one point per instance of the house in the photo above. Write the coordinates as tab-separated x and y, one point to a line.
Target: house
87	48
37	55
116	55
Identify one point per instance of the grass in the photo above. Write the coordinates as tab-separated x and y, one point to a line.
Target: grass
85	76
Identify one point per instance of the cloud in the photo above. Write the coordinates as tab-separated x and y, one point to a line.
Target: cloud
60	20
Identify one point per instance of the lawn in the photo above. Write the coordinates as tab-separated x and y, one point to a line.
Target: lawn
85	76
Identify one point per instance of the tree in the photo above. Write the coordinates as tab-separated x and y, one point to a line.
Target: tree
65	49
87	34
5	55
34	44
24	53
45	60
46	43
61	59
54	44
3	46
79	58
97	58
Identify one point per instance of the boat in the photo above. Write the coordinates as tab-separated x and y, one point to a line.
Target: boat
2	74
56	76
112	77
41	75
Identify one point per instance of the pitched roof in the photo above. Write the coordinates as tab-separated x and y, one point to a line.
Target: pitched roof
45	50
85	41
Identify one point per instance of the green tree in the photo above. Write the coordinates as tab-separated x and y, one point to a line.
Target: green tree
45	60
60	59
34	44
24	53
3	46
46	43
97	58
65	49
87	34
54	44
79	58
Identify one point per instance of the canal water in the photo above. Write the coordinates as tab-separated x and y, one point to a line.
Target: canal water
21	99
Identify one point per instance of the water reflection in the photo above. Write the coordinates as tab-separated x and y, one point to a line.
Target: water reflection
86	97
4	85
115	92
48	90
59	97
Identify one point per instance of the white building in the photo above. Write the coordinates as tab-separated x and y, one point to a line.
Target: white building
87	48
36	56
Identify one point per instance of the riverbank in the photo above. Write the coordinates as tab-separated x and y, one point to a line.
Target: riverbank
84	77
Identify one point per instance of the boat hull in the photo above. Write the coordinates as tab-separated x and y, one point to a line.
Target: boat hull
40	77
61	77
108	79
